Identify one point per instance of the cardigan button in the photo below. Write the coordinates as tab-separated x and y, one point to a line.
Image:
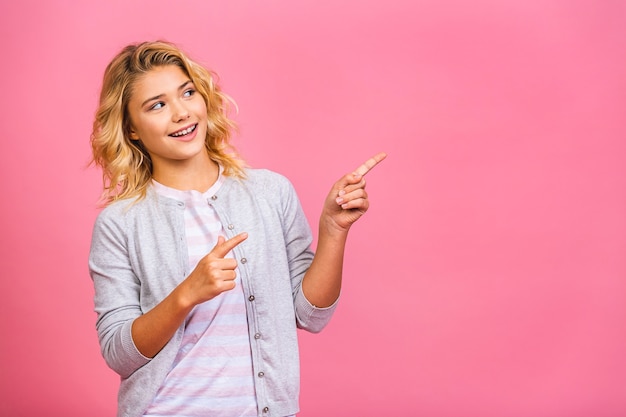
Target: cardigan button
257	336
213	197
251	298
261	374
244	260
266	409
231	227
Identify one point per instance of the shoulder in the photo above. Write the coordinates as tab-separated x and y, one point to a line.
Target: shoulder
264	180
261	175
262	186
116	214
118	209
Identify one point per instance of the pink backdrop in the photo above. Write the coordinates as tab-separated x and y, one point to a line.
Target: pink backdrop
489	278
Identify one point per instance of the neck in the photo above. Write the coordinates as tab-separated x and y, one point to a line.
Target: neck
198	174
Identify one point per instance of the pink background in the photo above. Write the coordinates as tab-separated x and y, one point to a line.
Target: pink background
489	277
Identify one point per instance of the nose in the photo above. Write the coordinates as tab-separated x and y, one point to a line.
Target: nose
179	111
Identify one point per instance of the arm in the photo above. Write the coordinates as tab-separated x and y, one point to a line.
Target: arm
344	205
212	276
128	336
117	292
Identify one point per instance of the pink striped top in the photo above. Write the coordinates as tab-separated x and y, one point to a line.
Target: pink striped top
212	373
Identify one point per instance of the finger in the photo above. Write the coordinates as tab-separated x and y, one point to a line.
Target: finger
227	286
361	204
222	247
221	264
359	194
349	188
228	275
368	165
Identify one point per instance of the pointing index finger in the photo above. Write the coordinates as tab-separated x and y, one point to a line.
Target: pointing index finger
369	164
223	247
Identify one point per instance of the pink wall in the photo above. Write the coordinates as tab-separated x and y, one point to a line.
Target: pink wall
489	278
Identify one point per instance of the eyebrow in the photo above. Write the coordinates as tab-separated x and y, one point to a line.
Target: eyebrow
182	86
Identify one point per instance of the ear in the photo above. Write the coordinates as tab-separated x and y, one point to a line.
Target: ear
133	135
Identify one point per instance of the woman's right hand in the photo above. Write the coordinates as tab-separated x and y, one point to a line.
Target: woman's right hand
214	274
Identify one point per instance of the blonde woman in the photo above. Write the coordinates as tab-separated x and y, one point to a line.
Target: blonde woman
202	267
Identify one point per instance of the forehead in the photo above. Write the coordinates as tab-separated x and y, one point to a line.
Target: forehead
158	81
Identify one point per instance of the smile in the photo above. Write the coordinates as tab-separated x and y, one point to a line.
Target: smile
184	131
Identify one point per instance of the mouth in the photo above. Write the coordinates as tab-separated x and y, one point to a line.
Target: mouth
184	132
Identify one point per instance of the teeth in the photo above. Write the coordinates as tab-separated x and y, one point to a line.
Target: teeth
184	132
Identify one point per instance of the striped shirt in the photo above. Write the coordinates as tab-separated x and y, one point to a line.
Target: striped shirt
212	373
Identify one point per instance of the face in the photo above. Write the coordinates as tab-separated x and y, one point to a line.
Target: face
169	117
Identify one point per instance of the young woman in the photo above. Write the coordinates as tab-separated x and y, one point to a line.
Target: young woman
202	268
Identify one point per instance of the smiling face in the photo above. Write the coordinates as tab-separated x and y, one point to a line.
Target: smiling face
169	117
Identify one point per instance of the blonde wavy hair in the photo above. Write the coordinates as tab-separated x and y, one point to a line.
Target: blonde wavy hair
126	165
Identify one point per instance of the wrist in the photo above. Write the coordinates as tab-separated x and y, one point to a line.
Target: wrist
331	230
183	297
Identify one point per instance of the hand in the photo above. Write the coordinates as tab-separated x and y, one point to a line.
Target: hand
214	274
347	200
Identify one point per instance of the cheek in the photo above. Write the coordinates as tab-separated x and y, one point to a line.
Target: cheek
151	126
200	108
137	125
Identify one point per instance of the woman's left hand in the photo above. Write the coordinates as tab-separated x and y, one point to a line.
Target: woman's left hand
347	200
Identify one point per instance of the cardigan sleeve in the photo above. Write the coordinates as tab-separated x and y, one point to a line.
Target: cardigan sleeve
298	238
117	292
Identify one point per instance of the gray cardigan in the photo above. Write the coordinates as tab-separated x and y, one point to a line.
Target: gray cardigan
139	255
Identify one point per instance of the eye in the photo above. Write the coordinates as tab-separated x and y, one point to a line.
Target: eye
189	93
158	105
